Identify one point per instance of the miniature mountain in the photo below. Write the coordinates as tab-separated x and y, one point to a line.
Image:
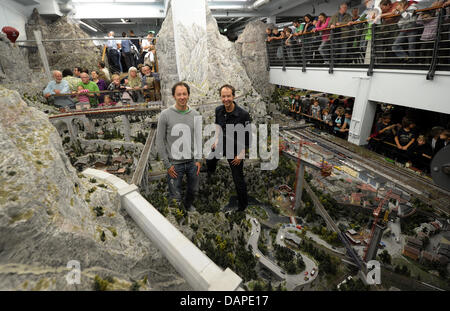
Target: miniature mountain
49	216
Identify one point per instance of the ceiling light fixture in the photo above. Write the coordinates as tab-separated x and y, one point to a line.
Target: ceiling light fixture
88	26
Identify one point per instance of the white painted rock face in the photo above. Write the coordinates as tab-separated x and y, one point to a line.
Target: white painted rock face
223	67
252	52
47	215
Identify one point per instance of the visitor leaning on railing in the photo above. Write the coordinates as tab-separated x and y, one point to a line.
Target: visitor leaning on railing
321	26
392	32
341	34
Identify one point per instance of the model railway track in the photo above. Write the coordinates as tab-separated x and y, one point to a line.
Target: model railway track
399	177
424	180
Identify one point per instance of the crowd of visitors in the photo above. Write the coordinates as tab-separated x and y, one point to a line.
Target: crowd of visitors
132	76
402	140
126	53
84	89
404	34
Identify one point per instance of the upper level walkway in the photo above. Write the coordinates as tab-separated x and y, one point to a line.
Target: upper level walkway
384	62
379	67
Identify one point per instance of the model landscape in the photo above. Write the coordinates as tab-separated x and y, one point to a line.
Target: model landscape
52	213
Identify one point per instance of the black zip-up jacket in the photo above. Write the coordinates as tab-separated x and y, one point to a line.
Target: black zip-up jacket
237	116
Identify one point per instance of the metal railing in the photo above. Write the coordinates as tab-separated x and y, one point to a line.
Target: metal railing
121	96
420	43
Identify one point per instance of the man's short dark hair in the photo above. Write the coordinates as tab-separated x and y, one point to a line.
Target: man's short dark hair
78	68
102	64
386	115
296	21
181	84
67	72
385	2
406	122
85	70
227	86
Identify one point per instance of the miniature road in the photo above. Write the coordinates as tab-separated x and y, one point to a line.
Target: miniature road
292	281
253	241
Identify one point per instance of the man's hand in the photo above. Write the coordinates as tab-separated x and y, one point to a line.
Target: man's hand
47	95
199	165
57	92
237	159
214	145
172	173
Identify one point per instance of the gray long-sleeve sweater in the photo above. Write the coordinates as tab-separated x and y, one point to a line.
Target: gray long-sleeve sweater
178	137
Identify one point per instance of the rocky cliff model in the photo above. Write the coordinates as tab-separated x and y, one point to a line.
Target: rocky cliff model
251	50
49	216
223	66
63	54
15	72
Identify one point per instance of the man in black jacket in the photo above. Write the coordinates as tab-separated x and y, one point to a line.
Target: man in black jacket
231	114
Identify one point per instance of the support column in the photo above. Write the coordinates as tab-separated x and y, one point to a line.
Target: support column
299	187
363	113
88	125
127	128
38	37
72	131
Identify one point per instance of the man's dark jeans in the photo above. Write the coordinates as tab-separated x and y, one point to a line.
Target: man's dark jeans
190	169
238	177
114	61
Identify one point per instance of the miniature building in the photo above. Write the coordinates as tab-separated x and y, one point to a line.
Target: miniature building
411	252
414	242
100	164
112	169
352	232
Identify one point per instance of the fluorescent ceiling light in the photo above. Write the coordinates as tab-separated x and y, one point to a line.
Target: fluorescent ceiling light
92	1
88	26
226	7
140	1
259	3
114	1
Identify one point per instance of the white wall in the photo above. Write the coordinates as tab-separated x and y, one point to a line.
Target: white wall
49	7
118	10
398	87
15	15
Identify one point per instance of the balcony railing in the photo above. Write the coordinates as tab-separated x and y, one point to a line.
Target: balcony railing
422	43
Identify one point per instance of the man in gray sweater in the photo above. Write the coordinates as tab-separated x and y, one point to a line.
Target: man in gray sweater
178	140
